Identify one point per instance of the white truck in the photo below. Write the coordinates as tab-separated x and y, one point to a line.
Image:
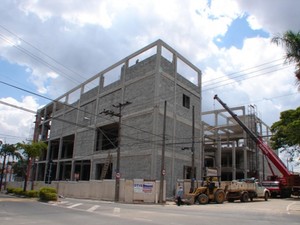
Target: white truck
245	190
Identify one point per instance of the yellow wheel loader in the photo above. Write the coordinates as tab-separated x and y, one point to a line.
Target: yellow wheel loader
208	192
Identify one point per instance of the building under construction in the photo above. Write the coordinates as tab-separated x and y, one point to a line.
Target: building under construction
141	119
129	121
229	149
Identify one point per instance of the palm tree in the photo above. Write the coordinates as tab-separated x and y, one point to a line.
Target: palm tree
291	42
7	150
31	152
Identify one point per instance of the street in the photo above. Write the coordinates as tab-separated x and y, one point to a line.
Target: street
15	211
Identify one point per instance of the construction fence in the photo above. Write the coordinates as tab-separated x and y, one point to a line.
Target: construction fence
131	191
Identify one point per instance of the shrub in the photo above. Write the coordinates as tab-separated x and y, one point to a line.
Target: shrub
32	194
48	194
18	191
9	190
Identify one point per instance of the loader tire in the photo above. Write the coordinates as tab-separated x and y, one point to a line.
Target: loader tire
203	199
219	196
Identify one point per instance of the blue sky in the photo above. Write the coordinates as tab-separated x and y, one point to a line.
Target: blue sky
48	47
15	75
237	32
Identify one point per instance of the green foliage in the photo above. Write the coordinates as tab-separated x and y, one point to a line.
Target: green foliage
9	190
20	192
9	150
286	131
32	194
16	191
20	168
291	41
48	194
32	150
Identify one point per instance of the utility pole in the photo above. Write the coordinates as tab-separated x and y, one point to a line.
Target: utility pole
120	106
32	165
163	170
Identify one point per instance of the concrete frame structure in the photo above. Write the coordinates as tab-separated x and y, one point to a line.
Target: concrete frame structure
81	139
229	149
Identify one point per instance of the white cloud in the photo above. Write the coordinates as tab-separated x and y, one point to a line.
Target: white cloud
253	23
16	124
74	40
273	15
81	36
252	75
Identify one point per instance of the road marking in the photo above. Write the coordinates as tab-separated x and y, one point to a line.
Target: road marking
142	219
93	208
75	205
289	206
117	210
64	202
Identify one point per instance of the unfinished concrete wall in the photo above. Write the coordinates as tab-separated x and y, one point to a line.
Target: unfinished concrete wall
147	78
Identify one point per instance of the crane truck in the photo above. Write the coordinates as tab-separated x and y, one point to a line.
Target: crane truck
289	183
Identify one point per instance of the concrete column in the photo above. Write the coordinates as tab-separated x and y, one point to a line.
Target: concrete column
72	170
59	157
219	157
233	161
156	152
245	161
201	152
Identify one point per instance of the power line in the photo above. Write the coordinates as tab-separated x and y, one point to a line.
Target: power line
210	88
251	68
57	62
18	107
40	59
83	110
40	51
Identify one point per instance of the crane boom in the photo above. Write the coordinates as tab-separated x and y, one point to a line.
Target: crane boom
266	150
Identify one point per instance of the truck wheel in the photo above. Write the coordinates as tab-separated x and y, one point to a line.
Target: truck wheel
266	196
219	196
244	197
203	199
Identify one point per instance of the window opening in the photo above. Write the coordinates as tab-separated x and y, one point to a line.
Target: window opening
186	101
107	137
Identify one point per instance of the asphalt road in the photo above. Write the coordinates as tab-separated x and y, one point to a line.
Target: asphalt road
15	211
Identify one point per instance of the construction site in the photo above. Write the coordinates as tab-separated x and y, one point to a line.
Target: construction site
141	119
229	149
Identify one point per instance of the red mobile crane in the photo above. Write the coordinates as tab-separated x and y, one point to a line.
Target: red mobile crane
289	183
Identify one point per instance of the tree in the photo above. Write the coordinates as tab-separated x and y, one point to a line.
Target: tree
291	42
7	150
286	132
20	169
31	151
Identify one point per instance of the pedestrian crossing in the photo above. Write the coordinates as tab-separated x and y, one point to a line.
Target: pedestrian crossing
74	205
93	208
87	206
